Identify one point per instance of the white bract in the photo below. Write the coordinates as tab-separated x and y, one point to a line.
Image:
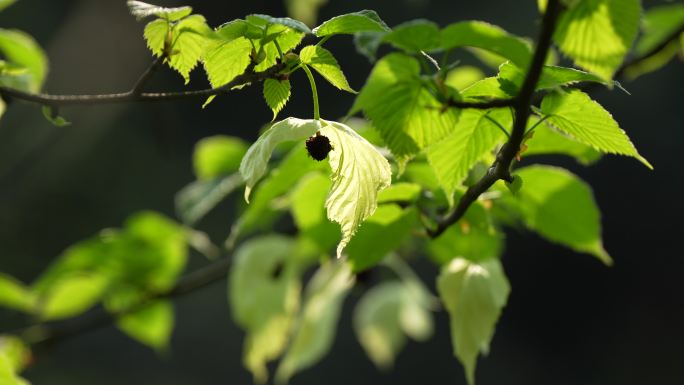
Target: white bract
359	171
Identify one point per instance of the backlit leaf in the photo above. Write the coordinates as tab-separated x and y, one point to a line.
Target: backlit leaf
21	50
415	36
16	295
152	325
276	94
143	10
218	156
351	23
489	37
325	64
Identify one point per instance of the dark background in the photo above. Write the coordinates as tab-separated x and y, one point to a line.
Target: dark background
569	320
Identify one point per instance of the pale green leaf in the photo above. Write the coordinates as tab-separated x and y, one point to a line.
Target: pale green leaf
286	21
474	295
190	40
304	10
385	315
351	23
401	192
359	173
547	140
415	36
156	33
264	293
143	10
597	34
72	295
152	325
51	116
255	162
195	200
541	4
316	325
381	233
474	137
512	78
16	295
218	156
287	38
577	115
325	64
16	353
308	201
463	77
488	37
405	114
561	208
21	50
226	60
276	94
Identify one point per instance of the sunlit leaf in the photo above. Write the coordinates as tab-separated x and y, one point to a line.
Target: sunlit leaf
597	34
316	325
512	77
16	295
463	76
351	23
72	295
548	140
286	21
577	115
143	10
415	36
276	94
21	50
152	325
401	192
325	64
218	156
474	295
489	37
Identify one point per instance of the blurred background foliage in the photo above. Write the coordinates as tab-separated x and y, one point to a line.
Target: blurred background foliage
569	320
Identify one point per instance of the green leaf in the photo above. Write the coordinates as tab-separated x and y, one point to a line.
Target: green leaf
304	10
382	233
276	94
463	77
547	140
151	325
415	36
405	114
351	23
367	43
315	327
286	21
577	115
72	295
218	156
597	34
474	295
401	192
255	162
658	24
195	200
359	173
512	78
264	293
6	3
226	60
385	315
16	353
326	65
473	138
488	37
143	10
15	295
21	50
286	37
50	114
472	238
561	208
156	33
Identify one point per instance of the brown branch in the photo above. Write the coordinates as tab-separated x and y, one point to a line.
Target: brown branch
500	169
51	333
134	96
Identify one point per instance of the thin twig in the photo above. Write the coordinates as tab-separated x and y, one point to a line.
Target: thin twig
145	77
500	169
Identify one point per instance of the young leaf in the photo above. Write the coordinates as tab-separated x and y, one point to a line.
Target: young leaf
512	77
264	297
351	23
315	328
286	21
561	208
384	317
325	64
16	354
659	23
415	36
15	295
152	325
255	162
359	173
21	50
276	94
227	60
473	137
597	34
218	156
488	37
72	295
382	233
463	77
54	118
143	10
474	295
577	115
401	192
405	114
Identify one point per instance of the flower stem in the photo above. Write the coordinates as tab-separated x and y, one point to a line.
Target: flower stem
314	91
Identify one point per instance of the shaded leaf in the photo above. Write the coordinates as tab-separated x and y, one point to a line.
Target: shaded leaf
218	156
351	23
15	295
195	200
400	192
304	10
325	64
143	10
152	325
488	37
415	36
286	21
